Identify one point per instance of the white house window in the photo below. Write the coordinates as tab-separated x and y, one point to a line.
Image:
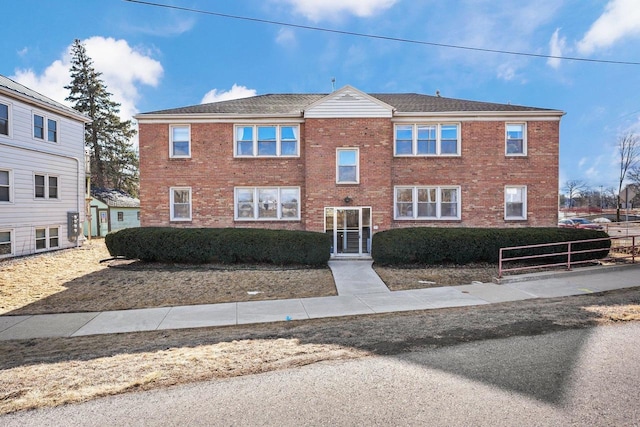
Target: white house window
6	243
120	216
38	126
267	203
180	203
47	238
4	119
347	166
516	141
45	187
427	140
515	202
428	203
266	141
180	141
45	128
5	186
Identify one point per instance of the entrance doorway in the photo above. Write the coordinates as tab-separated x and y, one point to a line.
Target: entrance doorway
350	229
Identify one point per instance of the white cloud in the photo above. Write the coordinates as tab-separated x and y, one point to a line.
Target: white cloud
556	48
286	37
123	69
621	19
334	9
236	92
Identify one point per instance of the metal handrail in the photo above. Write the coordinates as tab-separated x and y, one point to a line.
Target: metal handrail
634	247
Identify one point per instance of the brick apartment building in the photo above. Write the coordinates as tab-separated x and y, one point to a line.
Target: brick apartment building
349	164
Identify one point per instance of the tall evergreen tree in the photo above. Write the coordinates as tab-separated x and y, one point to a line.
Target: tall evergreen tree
114	163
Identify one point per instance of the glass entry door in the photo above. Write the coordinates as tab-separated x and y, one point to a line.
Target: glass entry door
350	229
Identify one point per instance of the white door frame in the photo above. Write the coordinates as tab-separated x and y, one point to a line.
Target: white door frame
341	231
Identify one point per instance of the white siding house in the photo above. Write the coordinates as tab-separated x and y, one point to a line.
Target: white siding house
42	171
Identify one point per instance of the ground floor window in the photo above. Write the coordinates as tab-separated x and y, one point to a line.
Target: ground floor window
428	203
6	243
515	202
47	238
180	203
267	203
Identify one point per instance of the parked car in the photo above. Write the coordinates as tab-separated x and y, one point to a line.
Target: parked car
579	223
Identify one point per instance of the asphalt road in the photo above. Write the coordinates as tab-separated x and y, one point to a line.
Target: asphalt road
587	377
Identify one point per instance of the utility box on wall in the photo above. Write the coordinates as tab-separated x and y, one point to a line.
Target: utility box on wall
73	225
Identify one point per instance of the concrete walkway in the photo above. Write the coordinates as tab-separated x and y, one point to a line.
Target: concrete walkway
360	291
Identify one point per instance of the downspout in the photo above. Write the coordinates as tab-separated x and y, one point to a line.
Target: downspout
80	179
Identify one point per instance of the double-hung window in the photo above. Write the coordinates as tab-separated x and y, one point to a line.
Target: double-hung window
515	202
347	166
4	119
442	139
6	243
516	139
44	127
47	238
428	203
5	186
267	203
179	141
266	141
180	203
45	186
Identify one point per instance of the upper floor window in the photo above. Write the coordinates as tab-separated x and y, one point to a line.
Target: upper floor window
44	126
6	243
266	141
5	186
180	141
515	202
267	203
180	203
120	216
45	187
438	202
347	166
516	141
4	119
427	140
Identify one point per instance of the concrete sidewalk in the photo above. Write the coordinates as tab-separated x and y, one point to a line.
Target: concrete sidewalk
360	291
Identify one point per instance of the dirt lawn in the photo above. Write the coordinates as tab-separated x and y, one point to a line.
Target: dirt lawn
48	372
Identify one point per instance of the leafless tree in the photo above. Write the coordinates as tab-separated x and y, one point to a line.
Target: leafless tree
573	188
628	147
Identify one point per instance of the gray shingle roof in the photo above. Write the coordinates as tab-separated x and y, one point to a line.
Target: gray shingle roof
295	103
115	198
13	86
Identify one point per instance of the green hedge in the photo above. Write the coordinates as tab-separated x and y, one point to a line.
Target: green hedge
225	245
427	246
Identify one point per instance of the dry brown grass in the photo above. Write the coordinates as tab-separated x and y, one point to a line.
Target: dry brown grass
74	281
398	279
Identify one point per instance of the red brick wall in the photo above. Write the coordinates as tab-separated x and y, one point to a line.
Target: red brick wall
482	172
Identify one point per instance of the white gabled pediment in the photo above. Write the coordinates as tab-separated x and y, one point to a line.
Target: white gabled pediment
348	102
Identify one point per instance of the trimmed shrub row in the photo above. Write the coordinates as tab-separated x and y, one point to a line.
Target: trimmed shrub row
224	245
426	245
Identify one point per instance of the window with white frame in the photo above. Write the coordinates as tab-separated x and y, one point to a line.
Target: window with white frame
266	141
5	186
45	186
516	139
347	166
45	127
430	203
180	203
47	238
515	202
4	119
6	243
441	139
179	141
267	203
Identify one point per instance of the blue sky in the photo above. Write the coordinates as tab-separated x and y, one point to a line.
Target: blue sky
154	58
